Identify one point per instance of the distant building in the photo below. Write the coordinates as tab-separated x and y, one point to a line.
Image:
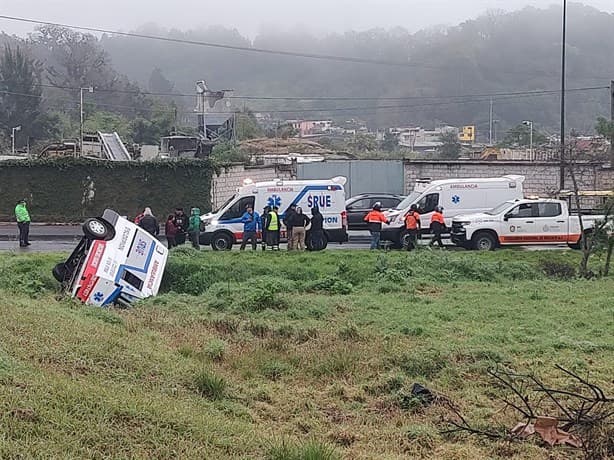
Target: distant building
311	127
422	140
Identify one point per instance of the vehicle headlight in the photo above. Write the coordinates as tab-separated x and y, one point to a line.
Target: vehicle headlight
464	223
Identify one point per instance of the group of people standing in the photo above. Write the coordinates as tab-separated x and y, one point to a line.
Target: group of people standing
177	228
375	218
269	226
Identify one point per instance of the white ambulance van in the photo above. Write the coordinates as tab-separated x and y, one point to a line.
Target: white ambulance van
223	228
456	196
116	262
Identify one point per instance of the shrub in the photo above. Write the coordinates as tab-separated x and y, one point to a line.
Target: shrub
215	349
331	285
558	269
338	362
349	332
210	385
274	370
311	450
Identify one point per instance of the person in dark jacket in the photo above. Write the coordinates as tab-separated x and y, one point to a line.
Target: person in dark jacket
170	230
264	220
289	222
438	226
149	222
316	233
181	222
375	219
251	225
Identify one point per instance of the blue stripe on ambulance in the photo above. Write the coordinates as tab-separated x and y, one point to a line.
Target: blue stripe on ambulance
123	268
114	295
297	200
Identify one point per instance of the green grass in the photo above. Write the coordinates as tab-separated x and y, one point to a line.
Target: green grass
293	356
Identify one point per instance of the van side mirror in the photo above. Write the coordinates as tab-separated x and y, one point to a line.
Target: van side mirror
506	217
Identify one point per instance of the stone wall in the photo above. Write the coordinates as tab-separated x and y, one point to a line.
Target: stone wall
542	178
231	178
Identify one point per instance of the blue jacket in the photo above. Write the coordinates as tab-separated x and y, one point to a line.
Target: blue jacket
251	222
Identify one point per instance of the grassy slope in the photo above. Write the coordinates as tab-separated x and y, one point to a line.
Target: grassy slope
309	347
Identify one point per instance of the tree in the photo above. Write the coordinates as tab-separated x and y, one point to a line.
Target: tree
605	128
149	130
247	126
390	142
20	98
227	152
450	147
109	122
158	83
520	136
363	143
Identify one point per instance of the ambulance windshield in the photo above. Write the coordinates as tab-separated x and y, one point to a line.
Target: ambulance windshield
226	203
407	202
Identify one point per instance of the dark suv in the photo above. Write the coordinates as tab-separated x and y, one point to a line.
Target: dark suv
358	206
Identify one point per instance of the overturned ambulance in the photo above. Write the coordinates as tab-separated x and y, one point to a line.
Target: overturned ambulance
116	262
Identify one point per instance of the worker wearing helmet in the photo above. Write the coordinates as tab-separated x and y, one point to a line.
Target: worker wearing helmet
438	226
374	220
412	227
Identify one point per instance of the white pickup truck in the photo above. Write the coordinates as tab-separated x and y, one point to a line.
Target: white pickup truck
527	221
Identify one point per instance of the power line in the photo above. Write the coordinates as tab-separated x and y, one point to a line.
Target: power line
467	99
327	57
335	98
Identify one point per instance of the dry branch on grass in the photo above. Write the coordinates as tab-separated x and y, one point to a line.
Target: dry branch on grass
585	413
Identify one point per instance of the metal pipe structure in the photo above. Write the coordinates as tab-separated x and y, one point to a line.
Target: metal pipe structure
563	53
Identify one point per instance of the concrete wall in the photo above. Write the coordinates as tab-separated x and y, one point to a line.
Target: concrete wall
542	178
231	178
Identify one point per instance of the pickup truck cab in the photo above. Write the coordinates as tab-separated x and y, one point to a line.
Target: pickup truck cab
521	222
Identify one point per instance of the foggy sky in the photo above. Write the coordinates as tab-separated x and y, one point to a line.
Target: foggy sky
251	16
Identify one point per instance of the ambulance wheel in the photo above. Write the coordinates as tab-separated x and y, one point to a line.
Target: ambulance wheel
96	229
317	245
484	241
404	240
59	272
221	242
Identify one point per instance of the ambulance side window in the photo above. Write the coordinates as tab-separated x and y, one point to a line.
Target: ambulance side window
428	203
238	209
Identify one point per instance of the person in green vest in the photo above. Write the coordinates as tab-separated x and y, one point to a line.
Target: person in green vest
272	227
23	222
194	228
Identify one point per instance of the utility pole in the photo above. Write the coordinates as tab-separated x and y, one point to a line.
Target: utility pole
490	123
13	131
562	154
89	90
612	120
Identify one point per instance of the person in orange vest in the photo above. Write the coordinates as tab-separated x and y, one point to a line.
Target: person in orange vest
438	225
412	225
375	218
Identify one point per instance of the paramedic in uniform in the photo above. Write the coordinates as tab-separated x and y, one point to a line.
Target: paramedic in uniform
438	226
412	225
375	218
272	225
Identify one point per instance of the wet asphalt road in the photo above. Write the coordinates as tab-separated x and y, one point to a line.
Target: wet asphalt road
67	245
63	238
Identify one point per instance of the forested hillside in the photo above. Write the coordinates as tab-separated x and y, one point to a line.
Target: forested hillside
447	76
494	53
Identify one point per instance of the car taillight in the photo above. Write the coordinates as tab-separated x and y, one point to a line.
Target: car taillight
344	219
